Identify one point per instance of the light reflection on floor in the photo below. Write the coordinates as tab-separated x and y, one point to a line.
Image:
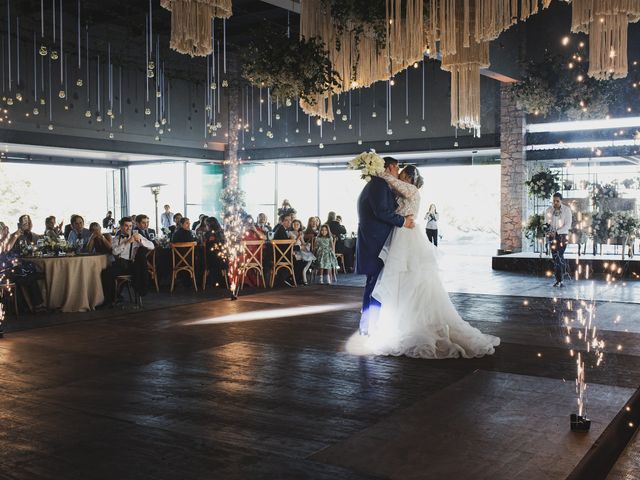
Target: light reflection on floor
269	314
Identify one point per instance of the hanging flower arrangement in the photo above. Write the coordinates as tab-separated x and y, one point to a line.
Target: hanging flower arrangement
290	67
543	184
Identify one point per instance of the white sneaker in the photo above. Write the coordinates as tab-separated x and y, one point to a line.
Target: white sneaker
329	280
321	281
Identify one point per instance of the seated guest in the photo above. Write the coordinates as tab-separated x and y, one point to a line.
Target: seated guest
20	272
129	250
199	221
176	224
263	224
23	235
79	234
98	242
184	233
281	232
108	222
52	230
311	232
334	222
142	227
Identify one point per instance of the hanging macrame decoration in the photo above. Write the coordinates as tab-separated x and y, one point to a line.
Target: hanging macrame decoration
191	24
607	24
468	57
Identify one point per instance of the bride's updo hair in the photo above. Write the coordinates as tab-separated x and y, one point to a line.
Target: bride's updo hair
414	175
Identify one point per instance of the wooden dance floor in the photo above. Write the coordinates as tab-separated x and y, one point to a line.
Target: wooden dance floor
263	388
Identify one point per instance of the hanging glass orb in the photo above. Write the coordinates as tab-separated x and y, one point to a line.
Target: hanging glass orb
43	101
9	101
66	107
36	111
4	99
269	134
110	113
390	132
321	145
150	74
344	118
121	127
406	121
163	121
157	138
350	127
98	117
374	114
19	96
260	130
359	142
50	127
207	108
277	116
43	50
79	82
111	135
151	65
218	125
213	85
87	114
308	140
386	143
158	93
423	128
286	140
161	131
225	83
62	94
287	102
297	130
54	55
253	139
147	111
334	138
157	124
338	111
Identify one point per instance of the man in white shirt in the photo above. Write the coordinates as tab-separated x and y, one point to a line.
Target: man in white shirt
558	217
167	217
129	250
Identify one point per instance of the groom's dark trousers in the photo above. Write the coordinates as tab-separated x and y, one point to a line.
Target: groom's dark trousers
376	219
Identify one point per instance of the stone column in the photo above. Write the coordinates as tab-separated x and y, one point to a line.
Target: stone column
512	172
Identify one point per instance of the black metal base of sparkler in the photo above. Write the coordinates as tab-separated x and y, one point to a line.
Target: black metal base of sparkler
579	423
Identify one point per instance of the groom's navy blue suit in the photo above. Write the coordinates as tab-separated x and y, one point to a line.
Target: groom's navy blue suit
376	219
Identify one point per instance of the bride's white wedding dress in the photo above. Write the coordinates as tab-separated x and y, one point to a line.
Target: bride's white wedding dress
417	317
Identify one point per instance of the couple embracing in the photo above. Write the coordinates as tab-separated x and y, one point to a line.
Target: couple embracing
405	309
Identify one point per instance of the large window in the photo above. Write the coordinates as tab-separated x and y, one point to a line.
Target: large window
43	190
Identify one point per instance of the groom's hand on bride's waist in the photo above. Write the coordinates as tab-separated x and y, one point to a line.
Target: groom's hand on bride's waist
408	222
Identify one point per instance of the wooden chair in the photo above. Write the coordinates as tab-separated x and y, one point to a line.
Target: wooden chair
183	260
339	256
151	267
9	289
127	280
252	260
205	266
282	258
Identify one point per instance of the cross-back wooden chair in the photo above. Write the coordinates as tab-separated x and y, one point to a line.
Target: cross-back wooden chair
151	267
183	260
252	252
339	256
282	258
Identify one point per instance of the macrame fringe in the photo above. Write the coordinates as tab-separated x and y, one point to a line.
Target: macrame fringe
191	24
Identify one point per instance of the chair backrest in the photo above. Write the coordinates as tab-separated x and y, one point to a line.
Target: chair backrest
282	252
252	253
183	255
151	260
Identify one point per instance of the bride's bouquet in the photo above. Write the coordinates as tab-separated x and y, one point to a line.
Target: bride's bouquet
370	165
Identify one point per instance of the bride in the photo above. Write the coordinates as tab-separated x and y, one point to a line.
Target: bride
417	317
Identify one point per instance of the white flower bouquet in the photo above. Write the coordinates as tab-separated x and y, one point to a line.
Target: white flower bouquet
370	165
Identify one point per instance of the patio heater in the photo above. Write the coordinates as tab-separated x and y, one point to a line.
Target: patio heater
155	191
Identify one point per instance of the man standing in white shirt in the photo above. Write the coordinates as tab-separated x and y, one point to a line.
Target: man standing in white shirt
558	217
167	217
129	250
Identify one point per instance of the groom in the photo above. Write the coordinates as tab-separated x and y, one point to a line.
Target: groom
376	219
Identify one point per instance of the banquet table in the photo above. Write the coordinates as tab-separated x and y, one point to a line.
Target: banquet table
72	283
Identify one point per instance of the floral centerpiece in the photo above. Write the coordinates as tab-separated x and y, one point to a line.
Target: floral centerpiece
543	184
369	163
601	226
535	227
54	246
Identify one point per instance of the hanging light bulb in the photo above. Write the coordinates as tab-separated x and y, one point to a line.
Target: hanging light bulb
9	101
161	131
43	101
157	138
54	55
214	86
111	135
87	113
277	116
151	65
43	50
344	118
406	121
50	127
319	122
109	113
350	127
374	114
19	96
158	93
260	130
423	128
390	132
338	111
225	84
163	121
253	139
321	146
359	142
286	140
157	124
98	117
387	143
79	82
334	138
287	102
62	94
308	140
147	111
36	111
297	130
150	74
